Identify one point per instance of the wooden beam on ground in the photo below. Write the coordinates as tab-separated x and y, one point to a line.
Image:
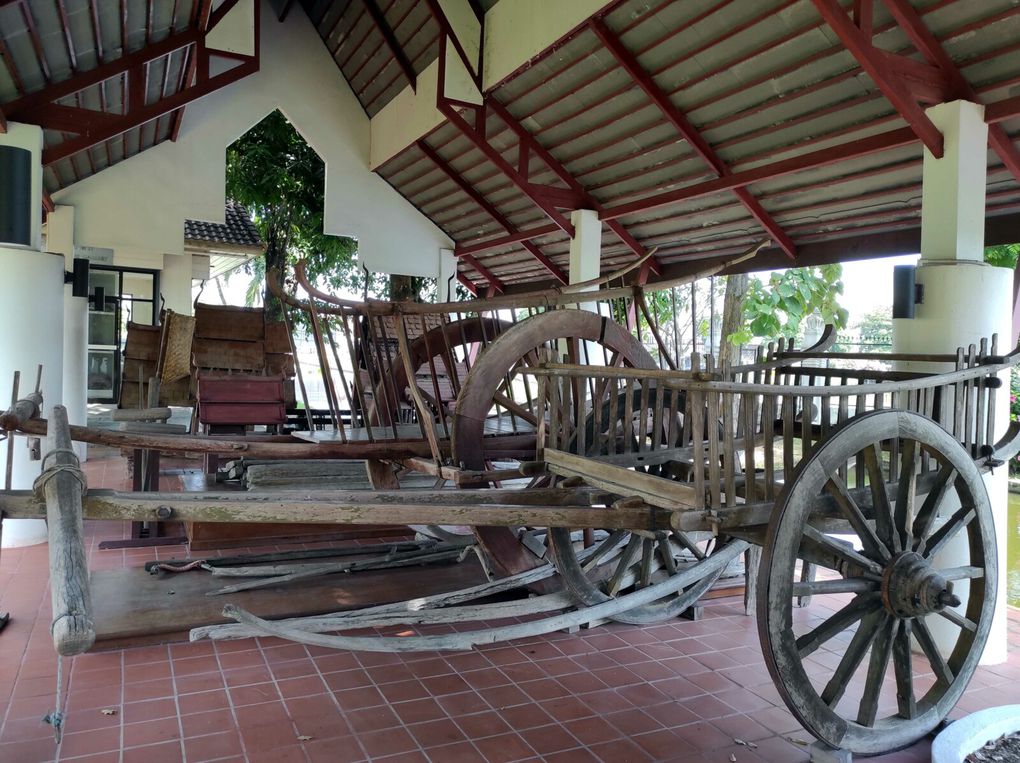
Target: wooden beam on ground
364	508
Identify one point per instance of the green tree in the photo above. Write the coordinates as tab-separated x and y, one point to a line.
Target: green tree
776	309
1002	255
876	330
280	180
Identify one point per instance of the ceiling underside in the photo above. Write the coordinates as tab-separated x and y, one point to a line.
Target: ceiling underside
43	42
760	82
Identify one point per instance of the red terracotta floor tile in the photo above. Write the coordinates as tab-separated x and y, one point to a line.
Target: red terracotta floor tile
168	752
681	691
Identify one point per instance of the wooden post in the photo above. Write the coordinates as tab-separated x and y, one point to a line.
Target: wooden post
61	484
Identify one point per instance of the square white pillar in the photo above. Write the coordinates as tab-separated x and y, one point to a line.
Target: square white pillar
585	246
965	299
446	276
953	195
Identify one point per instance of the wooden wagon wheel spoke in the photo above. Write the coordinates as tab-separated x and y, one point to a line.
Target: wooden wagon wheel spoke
843	585
626	560
841	550
647	554
927	642
611	542
903	668
879	498
896	581
925	517
961	573
687	543
960	519
905	494
881	648
861	605
957	619
871	542
852	658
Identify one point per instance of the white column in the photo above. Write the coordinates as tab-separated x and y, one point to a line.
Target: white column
585	246
964	300
175	283
586	264
446	276
60	240
31	328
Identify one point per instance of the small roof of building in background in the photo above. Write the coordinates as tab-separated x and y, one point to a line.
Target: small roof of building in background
228	244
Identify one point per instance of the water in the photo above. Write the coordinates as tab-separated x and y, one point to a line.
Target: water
1013	550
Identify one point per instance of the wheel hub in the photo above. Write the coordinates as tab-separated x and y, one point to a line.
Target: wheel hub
911	588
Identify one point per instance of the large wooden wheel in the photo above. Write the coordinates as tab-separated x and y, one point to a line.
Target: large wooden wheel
518	345
874	506
440	347
628	560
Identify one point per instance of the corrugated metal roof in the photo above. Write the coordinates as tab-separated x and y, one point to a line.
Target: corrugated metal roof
43	43
760	81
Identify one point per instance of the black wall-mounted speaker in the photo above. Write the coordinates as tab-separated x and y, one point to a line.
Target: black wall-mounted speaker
79	278
904	291
15	196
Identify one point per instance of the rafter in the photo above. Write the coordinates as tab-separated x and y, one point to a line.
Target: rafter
878	67
22	108
139	114
929	46
379	20
872	144
467	283
92	127
527	234
480	142
587	200
689	132
491	210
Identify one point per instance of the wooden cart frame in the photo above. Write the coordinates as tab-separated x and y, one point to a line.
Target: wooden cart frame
642	483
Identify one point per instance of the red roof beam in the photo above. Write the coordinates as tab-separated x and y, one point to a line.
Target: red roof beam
467	283
1008	108
491	210
878	67
379	20
138	115
483	145
561	171
689	132
504	241
823	157
929	46
25	105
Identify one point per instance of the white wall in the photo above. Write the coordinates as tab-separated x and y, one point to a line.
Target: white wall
139	206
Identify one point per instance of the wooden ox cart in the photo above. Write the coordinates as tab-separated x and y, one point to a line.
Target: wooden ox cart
619	486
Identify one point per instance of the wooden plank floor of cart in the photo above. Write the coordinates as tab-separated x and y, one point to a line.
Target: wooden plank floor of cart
134	608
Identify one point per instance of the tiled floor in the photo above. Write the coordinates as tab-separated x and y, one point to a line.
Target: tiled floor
680	692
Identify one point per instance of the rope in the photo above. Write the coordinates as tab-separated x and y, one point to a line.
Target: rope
56	718
50	472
